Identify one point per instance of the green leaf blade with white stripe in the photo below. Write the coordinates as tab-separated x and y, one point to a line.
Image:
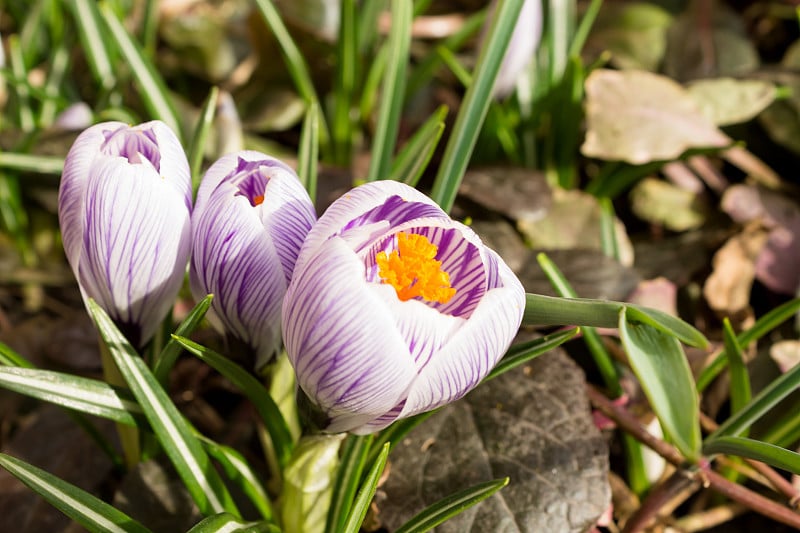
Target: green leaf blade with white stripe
89	511
174	434
86	395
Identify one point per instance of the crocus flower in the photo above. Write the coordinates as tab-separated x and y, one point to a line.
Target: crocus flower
124	206
249	222
394	309
521	48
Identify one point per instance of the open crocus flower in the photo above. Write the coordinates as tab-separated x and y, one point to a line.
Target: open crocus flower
124	207
394	309
249	222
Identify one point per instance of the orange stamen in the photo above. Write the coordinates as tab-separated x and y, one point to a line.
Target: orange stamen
258	200
412	269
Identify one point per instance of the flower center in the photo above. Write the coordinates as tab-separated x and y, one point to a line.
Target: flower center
412	269
133	144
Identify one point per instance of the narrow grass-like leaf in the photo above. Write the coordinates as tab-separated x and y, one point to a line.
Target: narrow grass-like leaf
579	39
175	436
151	85
41	164
394	434
9	357
198	144
663	371
412	160
240	473
87	19
740	380
348	476
24	111
450	506
475	105
346	55
364	497
227	523
295	63
255	391
14	217
308	153
451	61
608	234
58	66
785	431
150	27
763	325
367	23
521	353
423	73
87	510
169	353
86	395
369	92
393	91
765	400
755	449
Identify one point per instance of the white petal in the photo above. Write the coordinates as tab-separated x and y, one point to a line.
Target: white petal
474	350
72	190
351	205
135	244
342	341
226	164
174	165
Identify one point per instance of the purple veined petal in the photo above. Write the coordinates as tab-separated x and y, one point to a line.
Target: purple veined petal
348	356
235	259
353	204
174	165
135	244
460	251
227	164
72	190
474	350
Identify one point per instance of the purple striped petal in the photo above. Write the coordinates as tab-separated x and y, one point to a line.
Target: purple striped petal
349	358
247	233
477	347
124	207
135	243
355	204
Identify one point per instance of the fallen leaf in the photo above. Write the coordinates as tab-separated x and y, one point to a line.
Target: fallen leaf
727	101
665	204
659	293
638	117
786	354
519	193
532	425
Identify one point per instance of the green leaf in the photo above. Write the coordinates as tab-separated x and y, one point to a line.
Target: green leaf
364	497
239	472
475	105
393	91
89	396
227	523
412	160
308	154
740	380
295	63
342	128
87	510
87	19
763	325
754	449
151	85
663	371
348	475
173	433
255	391
9	357
521	353
761	404
449	506
40	164
548	310
169	354
198	144
20	83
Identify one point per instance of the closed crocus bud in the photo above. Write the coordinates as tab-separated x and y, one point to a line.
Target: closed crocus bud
250	219
394	309
521	48
124	206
